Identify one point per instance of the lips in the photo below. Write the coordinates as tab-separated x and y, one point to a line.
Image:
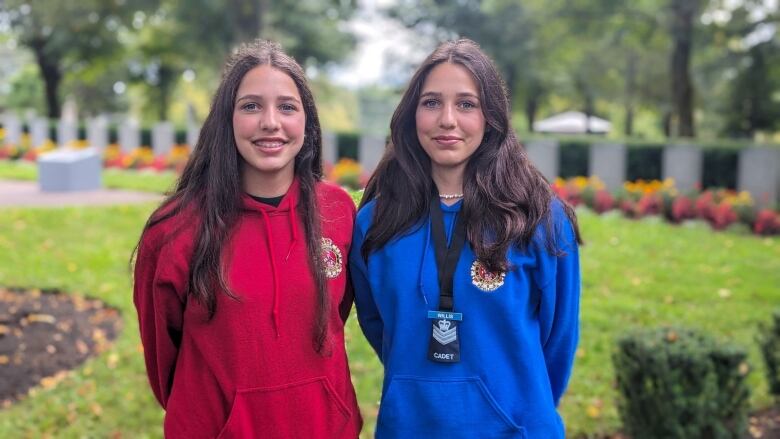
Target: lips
447	140
269	142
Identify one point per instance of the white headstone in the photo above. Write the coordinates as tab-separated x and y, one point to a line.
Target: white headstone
67	131
759	174
683	164
97	133
39	131
163	137
13	129
608	161
129	136
543	153
330	148
370	151
193	131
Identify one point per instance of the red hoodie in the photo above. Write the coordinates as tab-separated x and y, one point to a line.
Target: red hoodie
252	370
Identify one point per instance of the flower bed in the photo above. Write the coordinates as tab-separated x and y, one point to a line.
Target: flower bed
113	156
720	208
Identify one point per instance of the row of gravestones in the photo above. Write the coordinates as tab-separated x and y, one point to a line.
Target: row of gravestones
758	167
128	133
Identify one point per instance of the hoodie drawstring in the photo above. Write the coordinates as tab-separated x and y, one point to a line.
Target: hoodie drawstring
294	227
274	273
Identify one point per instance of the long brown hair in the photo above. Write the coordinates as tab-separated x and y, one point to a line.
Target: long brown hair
211	183
505	196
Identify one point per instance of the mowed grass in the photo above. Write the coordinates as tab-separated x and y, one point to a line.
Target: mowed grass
635	273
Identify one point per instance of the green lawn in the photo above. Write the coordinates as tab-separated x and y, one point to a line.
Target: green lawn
635	273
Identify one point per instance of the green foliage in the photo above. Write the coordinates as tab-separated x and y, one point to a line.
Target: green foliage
769	341
677	383
25	90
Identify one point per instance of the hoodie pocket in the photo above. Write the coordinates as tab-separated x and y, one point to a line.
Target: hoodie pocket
303	409
443	407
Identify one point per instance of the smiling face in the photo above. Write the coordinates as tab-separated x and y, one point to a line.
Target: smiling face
268	125
450	123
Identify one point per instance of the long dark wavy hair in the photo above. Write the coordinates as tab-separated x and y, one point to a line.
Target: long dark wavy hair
505	196
211	186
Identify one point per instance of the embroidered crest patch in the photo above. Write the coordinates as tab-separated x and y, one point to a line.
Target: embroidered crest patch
484	279
332	260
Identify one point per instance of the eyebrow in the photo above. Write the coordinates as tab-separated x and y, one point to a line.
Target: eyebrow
438	95
260	98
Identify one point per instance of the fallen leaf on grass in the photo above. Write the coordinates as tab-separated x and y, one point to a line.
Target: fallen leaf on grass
41	318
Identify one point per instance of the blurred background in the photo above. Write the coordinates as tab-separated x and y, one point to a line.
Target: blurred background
659	119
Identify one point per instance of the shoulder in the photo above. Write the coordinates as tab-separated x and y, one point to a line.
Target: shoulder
555	228
170	230
365	215
330	195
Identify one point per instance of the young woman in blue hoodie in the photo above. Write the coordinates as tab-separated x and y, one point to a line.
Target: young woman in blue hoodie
465	264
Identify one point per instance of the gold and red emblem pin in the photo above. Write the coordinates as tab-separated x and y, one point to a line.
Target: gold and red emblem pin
485	279
332	260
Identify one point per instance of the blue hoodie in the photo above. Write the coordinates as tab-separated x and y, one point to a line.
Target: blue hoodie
517	337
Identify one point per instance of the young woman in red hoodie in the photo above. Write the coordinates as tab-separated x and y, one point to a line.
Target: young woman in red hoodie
240	277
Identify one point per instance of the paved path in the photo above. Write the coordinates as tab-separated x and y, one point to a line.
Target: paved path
28	194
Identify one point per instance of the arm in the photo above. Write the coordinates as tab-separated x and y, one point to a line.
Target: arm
160	311
559	306
367	311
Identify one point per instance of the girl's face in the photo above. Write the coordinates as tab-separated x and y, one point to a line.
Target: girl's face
268	125
450	123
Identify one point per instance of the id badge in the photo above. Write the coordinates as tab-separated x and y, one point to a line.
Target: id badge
444	346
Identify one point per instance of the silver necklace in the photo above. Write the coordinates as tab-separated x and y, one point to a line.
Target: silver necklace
450	196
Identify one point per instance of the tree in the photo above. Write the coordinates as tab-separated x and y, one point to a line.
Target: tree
506	29
681	25
61	34
172	39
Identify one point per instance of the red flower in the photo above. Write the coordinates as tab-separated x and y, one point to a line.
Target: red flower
649	204
682	209
603	201
722	216
767	223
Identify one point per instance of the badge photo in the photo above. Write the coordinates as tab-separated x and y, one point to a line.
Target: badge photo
485	279
332	260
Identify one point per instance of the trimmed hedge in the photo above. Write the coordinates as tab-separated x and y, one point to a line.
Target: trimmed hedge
769	341
676	383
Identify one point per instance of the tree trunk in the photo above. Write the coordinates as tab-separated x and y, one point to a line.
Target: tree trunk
531	106
52	77
683	12
165	89
247	17
628	127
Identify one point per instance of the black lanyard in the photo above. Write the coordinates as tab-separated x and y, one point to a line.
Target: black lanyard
446	256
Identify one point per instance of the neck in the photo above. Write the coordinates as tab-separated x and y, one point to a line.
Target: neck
449	181
267	185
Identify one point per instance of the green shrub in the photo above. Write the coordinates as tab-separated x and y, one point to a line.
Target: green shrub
644	162
719	168
769	340
348	145
573	158
676	383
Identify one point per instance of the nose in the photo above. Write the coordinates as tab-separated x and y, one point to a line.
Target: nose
447	116
269	121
